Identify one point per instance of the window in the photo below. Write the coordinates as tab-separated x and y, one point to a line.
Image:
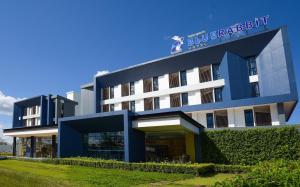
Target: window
221	118
262	115
207	96
173	80
210	120
252	66
205	73
216	71
147	85
255	89
155	83
106	145
105	93
105	108
175	100
132	106
131	88
184	99
125	90
125	105
156	102
183	80
62	109
111	93
33	110
112	107
218	94
148	104
249	118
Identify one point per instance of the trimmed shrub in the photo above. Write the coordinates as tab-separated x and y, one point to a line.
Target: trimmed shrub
268	174
194	169
223	168
250	146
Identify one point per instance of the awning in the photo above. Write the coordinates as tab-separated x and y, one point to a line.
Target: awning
31	131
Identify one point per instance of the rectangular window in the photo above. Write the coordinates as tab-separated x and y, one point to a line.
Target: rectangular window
262	115
105	108
125	105
173	80
148	104
147	85
184	99
221	118
218	94
210	120
249	118
132	106
112	107
34	110
175	100
255	89
205	74
131	88
111	93
105	93
183	80
252	66
216	71
207	96
156	102
155	83
125	90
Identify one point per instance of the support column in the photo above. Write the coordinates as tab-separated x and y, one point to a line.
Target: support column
231	117
53	147
14	146
32	146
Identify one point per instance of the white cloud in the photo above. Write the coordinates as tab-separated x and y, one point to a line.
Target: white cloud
99	73
6	104
5	138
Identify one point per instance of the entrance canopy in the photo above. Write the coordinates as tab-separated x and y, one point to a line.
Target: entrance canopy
166	122
31	131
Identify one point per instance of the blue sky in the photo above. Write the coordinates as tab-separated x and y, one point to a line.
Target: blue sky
55	46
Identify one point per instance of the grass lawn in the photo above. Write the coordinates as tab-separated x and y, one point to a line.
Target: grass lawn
24	173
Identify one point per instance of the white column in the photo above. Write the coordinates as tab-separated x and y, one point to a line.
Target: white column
164	101
138	87
274	114
117	91
194	97
139	105
192	76
231	117
163	82
118	106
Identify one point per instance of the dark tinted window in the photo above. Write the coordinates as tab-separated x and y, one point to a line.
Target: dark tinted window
175	100
173	80
111	92
156	102
148	104
132	106
147	85
249	118
131	88
216	71
210	120
255	89
252	66
218	94
155	83
184	99
112	107
183	80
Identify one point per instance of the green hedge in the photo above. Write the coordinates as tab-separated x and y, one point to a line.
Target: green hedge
268	174
250	146
223	168
194	169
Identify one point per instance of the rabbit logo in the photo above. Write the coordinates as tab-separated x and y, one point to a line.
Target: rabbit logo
177	43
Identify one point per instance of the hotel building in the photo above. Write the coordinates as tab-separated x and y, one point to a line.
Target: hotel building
157	110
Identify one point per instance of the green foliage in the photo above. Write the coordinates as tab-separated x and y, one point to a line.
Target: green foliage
194	169
250	146
223	168
268	174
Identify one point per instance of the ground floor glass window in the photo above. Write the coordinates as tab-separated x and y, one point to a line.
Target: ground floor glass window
107	145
